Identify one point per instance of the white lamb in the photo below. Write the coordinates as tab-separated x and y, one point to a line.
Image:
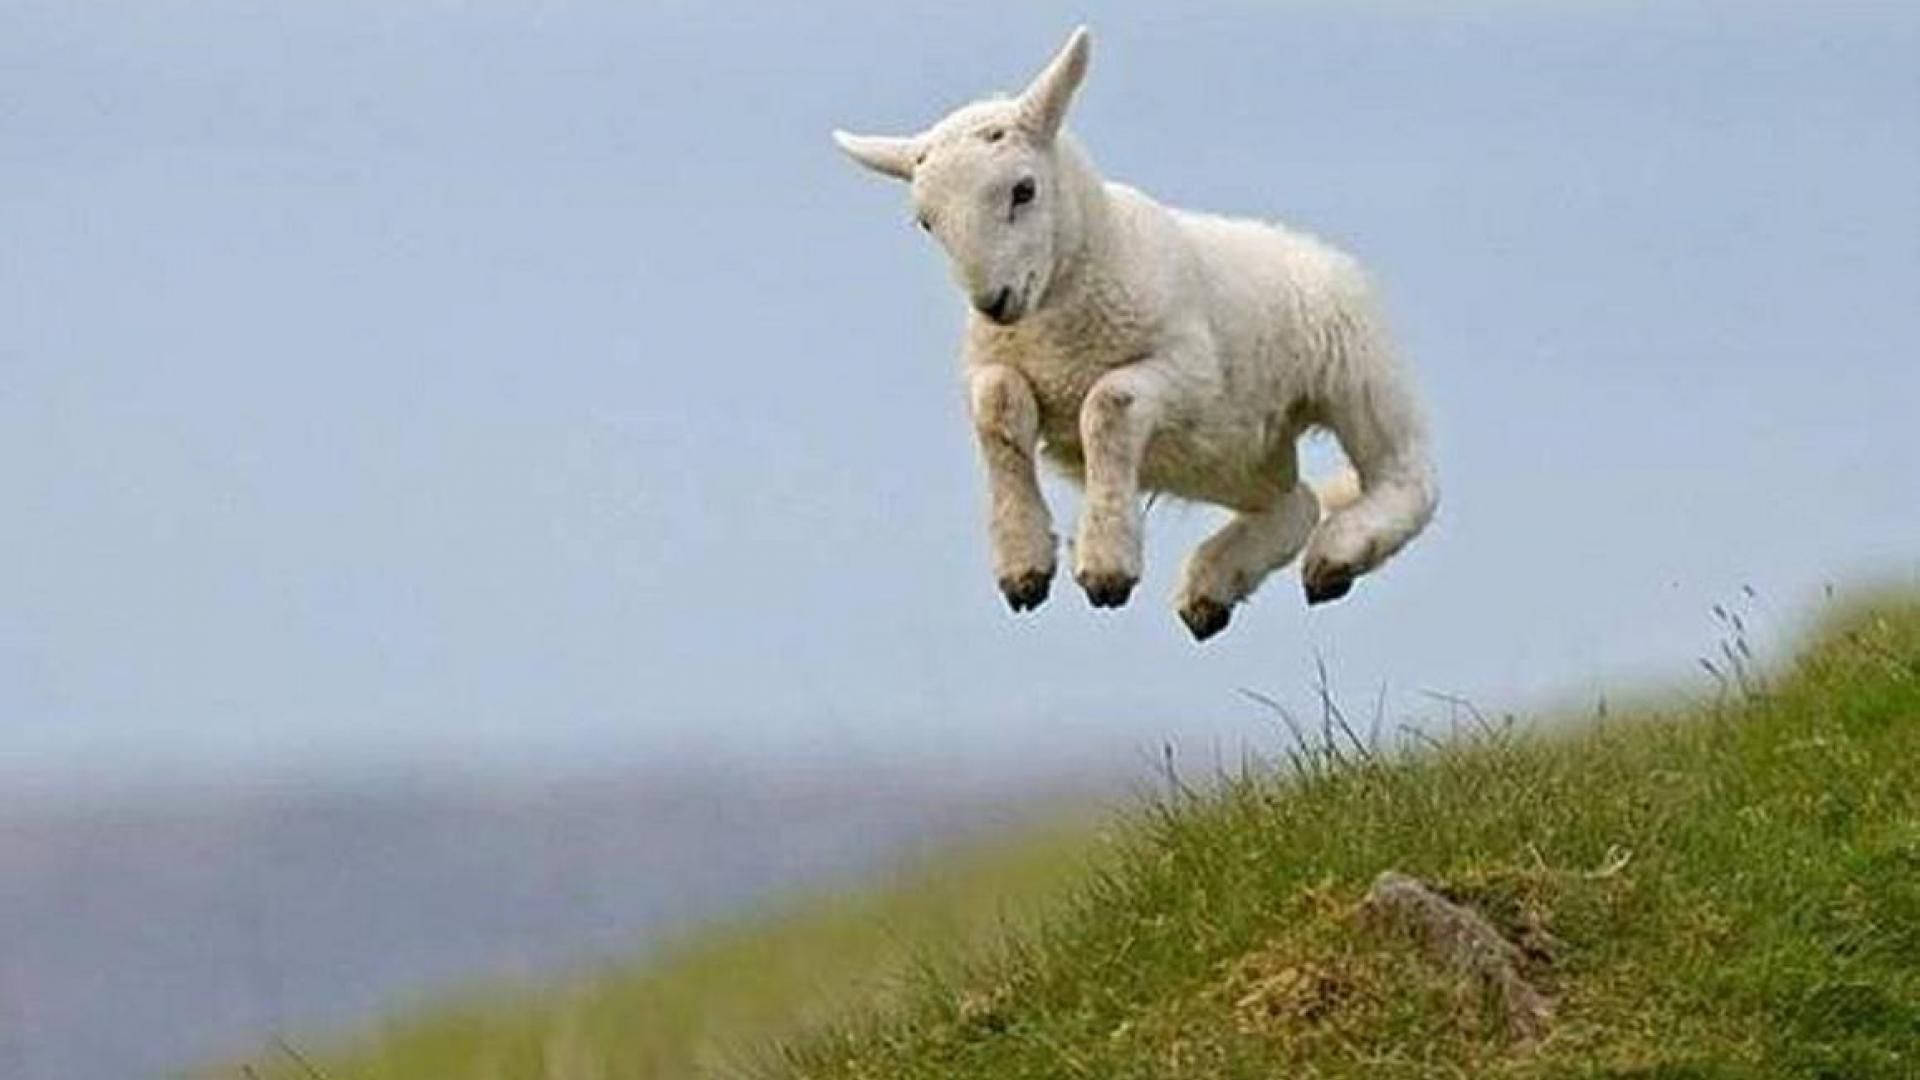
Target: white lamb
1142	347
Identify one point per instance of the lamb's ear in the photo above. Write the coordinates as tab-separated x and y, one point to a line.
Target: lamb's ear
1043	104
893	157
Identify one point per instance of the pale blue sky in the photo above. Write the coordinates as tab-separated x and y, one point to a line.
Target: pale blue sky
462	385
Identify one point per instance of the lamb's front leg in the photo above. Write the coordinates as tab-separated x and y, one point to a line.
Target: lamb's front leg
1007	421
1116	420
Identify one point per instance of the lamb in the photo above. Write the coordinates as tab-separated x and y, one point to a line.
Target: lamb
1143	348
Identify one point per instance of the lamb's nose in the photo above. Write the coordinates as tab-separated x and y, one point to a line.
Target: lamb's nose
995	309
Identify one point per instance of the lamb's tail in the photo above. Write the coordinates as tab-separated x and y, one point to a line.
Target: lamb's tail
1337	492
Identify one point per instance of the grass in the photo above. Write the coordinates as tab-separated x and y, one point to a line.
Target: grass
1729	892
1726	890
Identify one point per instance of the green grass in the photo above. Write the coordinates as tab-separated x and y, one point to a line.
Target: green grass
1729	890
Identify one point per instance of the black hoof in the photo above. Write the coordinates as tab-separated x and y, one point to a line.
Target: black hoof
1107	590
1329	589
1027	591
1205	618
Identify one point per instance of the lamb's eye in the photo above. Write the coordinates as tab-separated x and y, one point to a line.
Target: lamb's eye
994	135
1023	191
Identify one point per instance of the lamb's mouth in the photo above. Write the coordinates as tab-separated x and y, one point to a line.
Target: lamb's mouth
1029	297
1008	305
1005	308
1019	305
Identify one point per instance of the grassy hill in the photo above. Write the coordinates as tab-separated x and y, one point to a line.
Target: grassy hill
712	1003
1730	890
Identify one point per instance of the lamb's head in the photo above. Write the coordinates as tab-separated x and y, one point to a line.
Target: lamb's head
990	184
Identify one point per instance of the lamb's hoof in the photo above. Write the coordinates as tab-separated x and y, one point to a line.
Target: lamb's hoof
1025	592
1107	590
1205	618
1327	587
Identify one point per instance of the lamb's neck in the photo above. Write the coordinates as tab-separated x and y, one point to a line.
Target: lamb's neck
1088	232
1091	310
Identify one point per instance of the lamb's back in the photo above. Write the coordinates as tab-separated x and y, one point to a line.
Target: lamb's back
1268	272
1287	309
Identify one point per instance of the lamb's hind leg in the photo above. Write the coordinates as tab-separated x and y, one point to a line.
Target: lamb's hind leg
1232	563
1383	436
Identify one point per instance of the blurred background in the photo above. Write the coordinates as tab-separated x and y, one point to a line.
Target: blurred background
439	544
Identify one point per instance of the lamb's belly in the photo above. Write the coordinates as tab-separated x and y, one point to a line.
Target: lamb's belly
1236	469
1233	458
1242	473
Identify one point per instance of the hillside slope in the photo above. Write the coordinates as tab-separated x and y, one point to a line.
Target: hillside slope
710	1003
1730	892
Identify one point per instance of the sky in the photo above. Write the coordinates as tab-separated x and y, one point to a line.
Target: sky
465	386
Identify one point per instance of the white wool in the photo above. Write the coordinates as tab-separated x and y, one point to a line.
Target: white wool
1143	348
